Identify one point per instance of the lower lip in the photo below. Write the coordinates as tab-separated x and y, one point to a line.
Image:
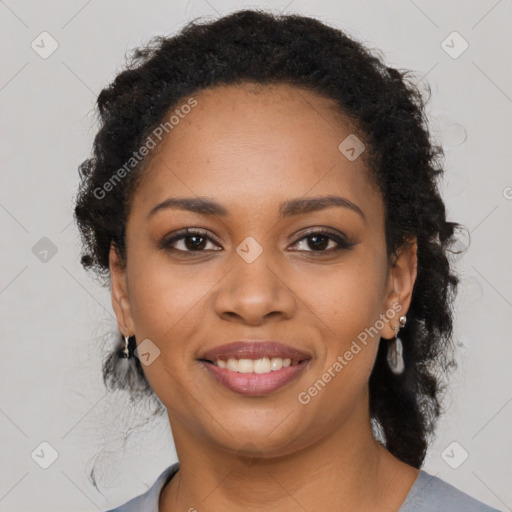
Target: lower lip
255	384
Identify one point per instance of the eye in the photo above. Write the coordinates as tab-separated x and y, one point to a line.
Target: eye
196	240
321	239
188	240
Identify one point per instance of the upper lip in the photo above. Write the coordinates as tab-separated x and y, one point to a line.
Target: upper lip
254	350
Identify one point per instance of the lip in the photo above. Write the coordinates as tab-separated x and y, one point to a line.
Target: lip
251	349
255	384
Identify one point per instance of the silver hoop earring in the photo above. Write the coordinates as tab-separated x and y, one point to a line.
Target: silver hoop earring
395	351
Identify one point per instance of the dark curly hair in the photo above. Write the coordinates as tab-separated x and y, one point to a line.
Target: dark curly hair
388	110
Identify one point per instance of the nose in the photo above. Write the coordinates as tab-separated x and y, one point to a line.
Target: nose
253	292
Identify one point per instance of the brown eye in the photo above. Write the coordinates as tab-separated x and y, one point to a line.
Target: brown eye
322	241
187	241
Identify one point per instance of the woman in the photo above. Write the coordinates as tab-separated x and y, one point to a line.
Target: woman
262	199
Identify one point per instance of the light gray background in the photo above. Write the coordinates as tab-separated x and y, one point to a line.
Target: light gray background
54	316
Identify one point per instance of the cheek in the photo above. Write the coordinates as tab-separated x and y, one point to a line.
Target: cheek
166	302
346	297
166	307
348	302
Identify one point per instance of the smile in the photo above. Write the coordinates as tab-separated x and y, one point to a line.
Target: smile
255	377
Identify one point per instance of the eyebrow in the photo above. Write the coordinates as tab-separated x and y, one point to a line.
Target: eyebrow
205	206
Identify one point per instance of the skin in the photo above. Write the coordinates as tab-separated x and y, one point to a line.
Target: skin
251	148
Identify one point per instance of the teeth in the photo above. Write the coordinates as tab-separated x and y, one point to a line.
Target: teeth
264	365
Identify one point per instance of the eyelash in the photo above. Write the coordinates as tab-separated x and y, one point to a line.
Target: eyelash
187	233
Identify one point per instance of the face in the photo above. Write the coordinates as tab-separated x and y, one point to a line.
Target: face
256	268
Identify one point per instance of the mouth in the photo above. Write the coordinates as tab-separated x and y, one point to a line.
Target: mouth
252	383
255	368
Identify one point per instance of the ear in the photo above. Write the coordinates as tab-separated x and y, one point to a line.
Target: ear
120	299
401	278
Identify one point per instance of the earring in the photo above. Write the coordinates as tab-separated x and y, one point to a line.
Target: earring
125	352
395	350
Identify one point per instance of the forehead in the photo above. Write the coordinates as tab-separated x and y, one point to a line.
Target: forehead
254	144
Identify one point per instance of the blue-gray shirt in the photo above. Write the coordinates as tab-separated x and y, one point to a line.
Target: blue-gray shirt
428	494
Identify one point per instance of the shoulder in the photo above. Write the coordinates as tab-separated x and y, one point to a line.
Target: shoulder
430	493
148	501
